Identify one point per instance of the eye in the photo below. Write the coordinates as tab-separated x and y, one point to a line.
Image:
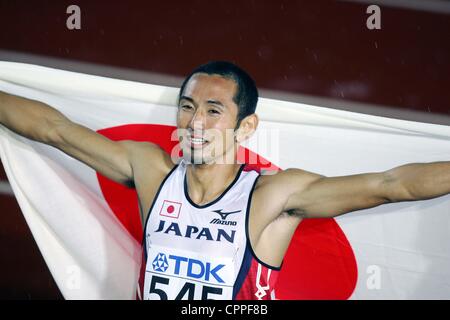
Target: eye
186	107
213	111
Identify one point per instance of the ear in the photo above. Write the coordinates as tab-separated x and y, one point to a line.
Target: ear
247	127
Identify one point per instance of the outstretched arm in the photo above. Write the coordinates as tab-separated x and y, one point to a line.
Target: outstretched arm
314	196
40	122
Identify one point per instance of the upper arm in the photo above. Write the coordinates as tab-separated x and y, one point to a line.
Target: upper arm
308	195
112	159
315	196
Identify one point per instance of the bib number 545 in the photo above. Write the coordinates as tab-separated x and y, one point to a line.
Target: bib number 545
187	291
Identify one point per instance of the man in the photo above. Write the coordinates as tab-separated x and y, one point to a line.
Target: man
213	228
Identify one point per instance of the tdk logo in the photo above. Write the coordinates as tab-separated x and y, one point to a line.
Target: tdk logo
223	218
188	267
160	263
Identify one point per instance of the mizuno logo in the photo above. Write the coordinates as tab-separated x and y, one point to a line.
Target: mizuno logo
224	215
223	222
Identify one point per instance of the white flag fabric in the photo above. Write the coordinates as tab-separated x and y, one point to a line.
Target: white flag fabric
79	219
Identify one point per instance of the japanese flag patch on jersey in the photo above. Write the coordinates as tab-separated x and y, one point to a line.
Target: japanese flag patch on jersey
170	209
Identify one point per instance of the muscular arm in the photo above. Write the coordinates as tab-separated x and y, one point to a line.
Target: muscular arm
314	196
40	122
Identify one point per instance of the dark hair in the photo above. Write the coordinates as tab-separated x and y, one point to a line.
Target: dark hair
246	96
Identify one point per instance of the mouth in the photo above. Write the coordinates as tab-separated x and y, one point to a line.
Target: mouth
197	142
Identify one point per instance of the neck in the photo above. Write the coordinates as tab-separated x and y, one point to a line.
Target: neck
207	181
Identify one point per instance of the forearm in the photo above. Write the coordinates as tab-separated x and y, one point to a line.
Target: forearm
32	119
420	181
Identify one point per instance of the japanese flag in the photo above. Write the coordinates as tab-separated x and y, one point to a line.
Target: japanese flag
88	228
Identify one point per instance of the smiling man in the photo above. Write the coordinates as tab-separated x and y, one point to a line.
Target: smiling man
214	228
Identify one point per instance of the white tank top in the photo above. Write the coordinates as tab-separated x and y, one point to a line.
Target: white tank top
193	251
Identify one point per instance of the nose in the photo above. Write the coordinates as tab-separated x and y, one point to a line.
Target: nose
198	121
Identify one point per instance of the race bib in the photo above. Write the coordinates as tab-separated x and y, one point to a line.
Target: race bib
173	274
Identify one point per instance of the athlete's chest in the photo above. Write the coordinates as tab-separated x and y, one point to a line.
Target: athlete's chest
173	213
217	228
195	251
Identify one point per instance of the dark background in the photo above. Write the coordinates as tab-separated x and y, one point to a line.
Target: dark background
310	49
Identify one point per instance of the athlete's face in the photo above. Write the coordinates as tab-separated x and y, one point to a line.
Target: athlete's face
206	119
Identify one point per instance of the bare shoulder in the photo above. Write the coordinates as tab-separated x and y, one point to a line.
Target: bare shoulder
286	179
273	192
150	164
148	156
270	225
